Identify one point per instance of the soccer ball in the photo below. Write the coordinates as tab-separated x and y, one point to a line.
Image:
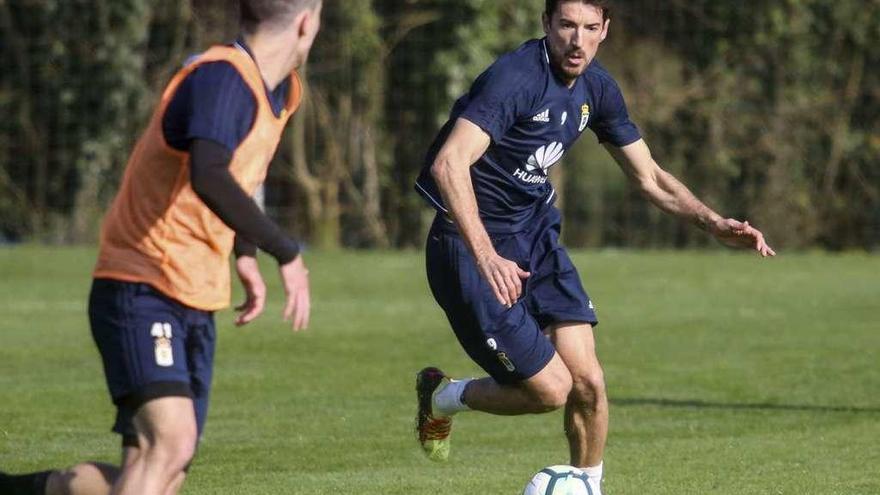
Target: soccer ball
559	480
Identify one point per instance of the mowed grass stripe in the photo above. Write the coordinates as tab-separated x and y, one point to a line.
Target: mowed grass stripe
727	374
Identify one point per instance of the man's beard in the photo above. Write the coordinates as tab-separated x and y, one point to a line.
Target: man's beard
567	71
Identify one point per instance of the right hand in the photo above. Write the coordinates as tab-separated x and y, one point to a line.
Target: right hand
295	278
738	234
254	290
504	276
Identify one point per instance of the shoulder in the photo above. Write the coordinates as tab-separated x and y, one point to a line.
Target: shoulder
213	103
528	57
523	65
605	92
216	76
611	123
599	78
218	87
525	62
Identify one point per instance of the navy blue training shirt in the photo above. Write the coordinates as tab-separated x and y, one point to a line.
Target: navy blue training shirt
533	119
216	104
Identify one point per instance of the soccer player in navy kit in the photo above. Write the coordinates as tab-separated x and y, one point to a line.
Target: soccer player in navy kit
494	264
163	265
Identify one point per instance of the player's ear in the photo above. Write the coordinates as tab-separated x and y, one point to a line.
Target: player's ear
308	22
300	23
605	30
545	21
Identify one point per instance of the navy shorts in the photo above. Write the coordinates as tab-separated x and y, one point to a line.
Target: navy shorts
509	343
152	346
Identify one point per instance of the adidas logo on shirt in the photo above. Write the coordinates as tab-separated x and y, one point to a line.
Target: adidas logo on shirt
542	117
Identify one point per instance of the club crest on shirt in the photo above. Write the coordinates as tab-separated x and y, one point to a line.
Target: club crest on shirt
585	117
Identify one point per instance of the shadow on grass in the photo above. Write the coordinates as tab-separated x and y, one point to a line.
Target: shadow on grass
764	406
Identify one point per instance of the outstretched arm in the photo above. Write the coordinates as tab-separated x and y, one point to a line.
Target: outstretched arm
451	170
671	196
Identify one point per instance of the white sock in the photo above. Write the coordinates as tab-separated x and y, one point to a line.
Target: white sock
448	401
594	473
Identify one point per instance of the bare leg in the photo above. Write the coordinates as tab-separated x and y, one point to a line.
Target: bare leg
586	412
167	439
176	484
88	478
92	478
541	393
83	479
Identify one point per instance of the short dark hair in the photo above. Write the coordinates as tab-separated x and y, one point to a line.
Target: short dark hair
257	12
551	5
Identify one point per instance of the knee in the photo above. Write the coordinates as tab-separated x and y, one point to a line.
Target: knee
172	453
588	389
552	395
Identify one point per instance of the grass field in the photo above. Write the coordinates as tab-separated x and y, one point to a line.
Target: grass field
728	375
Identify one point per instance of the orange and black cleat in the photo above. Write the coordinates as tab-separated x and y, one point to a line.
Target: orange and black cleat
433	430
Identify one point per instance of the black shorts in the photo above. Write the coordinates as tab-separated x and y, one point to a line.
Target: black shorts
151	346
508	343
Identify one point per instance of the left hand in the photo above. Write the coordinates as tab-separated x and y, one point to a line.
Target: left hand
254	289
738	234
295	278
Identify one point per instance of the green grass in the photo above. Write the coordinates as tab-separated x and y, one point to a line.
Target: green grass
728	375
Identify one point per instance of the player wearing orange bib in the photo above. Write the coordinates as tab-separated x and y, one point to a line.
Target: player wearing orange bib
183	206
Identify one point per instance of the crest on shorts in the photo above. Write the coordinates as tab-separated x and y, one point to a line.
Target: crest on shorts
585	117
161	333
508	364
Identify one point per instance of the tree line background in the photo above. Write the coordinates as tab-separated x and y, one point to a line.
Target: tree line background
768	110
